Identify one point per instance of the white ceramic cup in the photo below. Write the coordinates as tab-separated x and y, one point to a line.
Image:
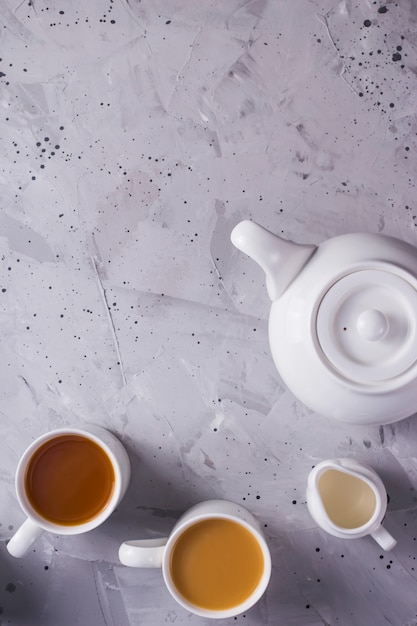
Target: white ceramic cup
158	552
348	500
21	542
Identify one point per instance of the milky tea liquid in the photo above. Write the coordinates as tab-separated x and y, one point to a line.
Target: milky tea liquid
216	564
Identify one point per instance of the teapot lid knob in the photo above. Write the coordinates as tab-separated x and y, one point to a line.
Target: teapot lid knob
372	325
366	325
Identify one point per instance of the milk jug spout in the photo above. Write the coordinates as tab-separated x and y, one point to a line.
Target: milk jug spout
281	260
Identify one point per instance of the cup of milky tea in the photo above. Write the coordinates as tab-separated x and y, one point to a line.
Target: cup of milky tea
68	482
215	563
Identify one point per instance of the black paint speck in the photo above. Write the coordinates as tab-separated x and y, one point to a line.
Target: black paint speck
396	56
382	10
367	23
11	587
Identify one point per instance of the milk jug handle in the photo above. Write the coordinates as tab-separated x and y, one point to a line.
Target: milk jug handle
143	552
384	539
23	539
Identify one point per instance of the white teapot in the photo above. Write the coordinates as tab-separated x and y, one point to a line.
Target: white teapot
342	325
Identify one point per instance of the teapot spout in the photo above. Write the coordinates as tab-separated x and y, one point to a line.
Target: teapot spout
281	260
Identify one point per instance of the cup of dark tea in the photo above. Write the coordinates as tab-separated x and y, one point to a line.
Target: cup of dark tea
68	482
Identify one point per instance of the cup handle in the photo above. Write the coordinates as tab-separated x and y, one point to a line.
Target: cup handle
384	539
23	539
143	552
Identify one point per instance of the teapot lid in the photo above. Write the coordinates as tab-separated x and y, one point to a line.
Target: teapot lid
366	325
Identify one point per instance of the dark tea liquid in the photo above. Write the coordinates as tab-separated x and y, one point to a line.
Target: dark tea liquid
69	480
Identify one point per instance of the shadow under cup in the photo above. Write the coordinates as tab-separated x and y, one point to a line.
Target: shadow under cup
217	566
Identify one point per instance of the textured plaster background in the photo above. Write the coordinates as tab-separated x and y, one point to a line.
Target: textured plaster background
134	135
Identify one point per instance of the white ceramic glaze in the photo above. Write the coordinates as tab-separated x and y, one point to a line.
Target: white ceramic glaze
35	525
343	321
317	509
157	552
